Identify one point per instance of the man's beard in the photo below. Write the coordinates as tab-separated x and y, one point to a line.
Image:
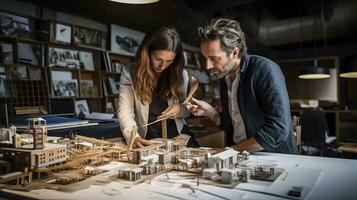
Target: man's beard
227	69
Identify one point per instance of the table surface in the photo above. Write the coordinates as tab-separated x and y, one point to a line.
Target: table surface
337	179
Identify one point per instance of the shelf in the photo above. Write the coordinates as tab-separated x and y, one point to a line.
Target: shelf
56	68
110	73
112	95
87	71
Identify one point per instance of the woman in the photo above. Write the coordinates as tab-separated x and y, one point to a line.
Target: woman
153	87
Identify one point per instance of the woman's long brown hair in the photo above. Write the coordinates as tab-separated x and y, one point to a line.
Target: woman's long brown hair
169	83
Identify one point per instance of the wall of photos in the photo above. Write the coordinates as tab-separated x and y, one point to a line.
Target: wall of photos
62	51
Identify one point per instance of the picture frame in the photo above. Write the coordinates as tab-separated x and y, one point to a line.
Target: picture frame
81	106
87	36
31	54
189	59
86	60
88	89
6	53
65	88
4	87
63	58
14	25
62	33
124	41
22	71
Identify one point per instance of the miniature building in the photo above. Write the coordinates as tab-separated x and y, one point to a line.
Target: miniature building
16	141
5	167
27	157
140	153
6	135
130	174
164	157
245	177
209	172
225	159
229	176
37	126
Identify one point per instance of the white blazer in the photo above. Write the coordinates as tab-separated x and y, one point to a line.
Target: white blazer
132	112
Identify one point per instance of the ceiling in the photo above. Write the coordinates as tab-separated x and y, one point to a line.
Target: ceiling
270	25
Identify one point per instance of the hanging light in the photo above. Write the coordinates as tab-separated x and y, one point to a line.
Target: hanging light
349	68
315	72
135	1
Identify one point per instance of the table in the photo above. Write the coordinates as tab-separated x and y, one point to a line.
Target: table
337	180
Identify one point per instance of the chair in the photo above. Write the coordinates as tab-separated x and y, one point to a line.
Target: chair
314	130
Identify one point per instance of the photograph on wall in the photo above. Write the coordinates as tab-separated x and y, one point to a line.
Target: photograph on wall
124	41
12	25
30	53
117	67
35	73
22	71
81	106
189	59
85	36
88	89
4	90
63	33
63	58
86	59
65	88
6	54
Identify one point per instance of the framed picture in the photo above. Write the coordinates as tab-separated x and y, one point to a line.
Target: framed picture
4	90
65	88
22	71
35	73
81	106
124	41
86	60
86	36
110	107
6	54
189	59
30	53
63	58
63	33
13	25
117	67
88	89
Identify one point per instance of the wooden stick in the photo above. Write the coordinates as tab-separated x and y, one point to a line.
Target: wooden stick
131	140
158	120
193	89
164	131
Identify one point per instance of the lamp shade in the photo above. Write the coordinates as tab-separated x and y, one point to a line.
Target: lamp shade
135	1
349	67
315	72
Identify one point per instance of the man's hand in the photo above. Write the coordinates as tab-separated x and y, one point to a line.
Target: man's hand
141	142
172	112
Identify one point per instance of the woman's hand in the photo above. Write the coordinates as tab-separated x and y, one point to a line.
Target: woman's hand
172	112
141	142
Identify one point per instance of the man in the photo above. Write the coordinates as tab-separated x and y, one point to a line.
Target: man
255	103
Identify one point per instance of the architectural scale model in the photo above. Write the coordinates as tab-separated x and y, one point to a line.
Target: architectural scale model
31	159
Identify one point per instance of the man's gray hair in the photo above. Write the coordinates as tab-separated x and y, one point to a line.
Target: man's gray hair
227	31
